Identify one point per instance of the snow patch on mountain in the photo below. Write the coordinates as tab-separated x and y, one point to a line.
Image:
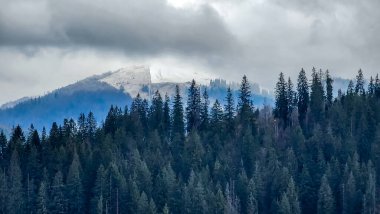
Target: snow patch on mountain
132	80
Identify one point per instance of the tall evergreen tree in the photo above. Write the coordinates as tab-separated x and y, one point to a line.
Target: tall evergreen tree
156	112
15	202
91	125
204	114
282	103
303	97
329	90
178	126
74	187
229	108
245	107
193	107
359	87
325	198
316	98
42	201
216	119
57	200
166	116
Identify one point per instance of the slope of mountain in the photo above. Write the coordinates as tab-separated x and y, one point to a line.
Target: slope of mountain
97	93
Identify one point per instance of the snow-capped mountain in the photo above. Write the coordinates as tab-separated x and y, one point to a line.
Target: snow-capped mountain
97	93
131	80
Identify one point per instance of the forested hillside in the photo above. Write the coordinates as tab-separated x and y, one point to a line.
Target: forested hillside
311	153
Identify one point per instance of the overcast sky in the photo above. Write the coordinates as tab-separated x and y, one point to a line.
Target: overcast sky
46	44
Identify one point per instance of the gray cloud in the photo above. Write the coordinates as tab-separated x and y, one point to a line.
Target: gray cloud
226	38
146	27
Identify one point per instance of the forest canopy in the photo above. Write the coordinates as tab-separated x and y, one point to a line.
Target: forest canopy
311	153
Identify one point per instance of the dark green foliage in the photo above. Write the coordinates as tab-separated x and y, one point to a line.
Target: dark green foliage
229	109
317	99
359	87
231	160
245	106
329	90
325	198
178	125
193	107
303	97
281	110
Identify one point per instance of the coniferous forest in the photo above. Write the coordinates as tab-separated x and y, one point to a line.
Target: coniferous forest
313	152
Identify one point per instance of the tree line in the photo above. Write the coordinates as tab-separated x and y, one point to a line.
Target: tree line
311	153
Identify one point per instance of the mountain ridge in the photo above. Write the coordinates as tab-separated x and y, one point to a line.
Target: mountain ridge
98	92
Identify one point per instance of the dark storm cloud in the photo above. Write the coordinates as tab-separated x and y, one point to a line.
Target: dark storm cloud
136	27
227	38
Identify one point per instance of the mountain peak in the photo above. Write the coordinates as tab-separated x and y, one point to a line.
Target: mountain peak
131	80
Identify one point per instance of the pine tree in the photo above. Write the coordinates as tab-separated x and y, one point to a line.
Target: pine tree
245	107
193	108
291	97
204	114
15	203
350	88
178	126
166	117
281	105
369	198
303	97
98	200
74	187
216	116
371	86
329	90
156	112
325	198
91	125
284	205
316	98
3	192
82	127
253	206
359	87
57	198
3	147
143	203
220	203
42	201
292	196
229	108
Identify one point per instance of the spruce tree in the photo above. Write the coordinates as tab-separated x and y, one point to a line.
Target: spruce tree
229	108
303	97
166	117
216	119
245	107
3	148
178	126
91	125
204	114
74	187
316	98
359	87
281	105
58	203
193	107
42	200
291	96
325	198
15	202
329	90
156	112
